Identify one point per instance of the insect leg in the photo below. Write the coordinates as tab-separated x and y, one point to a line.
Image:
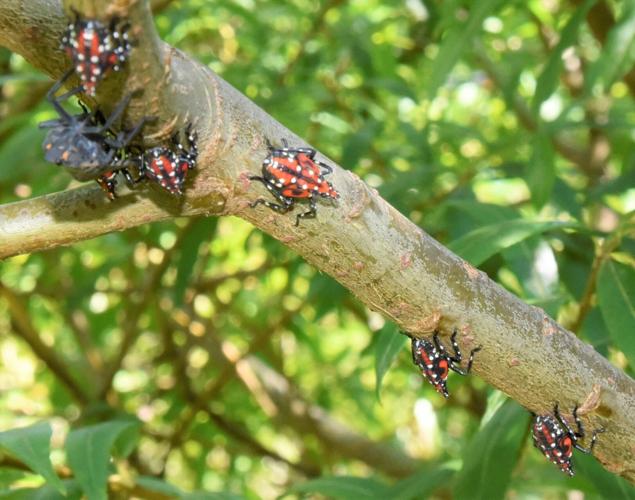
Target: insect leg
309	214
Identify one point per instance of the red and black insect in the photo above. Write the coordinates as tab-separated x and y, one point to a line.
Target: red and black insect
168	167
292	174
86	144
556	439
435	362
96	48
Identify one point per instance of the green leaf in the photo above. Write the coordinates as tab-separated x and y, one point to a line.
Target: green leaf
479	245
207	495
200	231
88	454
342	487
158	485
490	458
20	148
550	76
607	485
31	445
618	53
541	171
616	298
46	492
389	344
458	40
421	484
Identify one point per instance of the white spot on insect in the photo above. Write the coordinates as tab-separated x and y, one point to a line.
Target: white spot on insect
294	180
298	168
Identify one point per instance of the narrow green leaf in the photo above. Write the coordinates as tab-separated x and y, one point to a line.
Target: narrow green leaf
46	492
389	344
607	485
541	171
200	231
88	454
489	459
342	487
550	76
158	485
618	53
421	484
31	445
457	41
208	495
616	298
20	148
479	245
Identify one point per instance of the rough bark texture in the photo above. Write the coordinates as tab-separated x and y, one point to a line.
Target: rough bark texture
384	259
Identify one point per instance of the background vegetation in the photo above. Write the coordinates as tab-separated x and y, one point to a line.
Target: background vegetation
210	358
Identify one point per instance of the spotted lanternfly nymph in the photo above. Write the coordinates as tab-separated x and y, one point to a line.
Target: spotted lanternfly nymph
85	144
435	362
556	439
96	48
167	166
292	174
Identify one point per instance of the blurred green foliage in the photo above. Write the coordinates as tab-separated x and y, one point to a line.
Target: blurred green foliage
204	356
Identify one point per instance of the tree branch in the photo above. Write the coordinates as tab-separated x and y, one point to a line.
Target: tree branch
384	259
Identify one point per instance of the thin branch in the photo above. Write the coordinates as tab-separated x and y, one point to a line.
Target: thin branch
317	22
234	429
525	117
226	373
601	21
307	418
208	285
145	296
369	247
25	329
603	252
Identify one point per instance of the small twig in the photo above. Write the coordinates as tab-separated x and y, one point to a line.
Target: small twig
208	285
147	294
23	326
602	253
601	21
200	402
227	372
566	149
